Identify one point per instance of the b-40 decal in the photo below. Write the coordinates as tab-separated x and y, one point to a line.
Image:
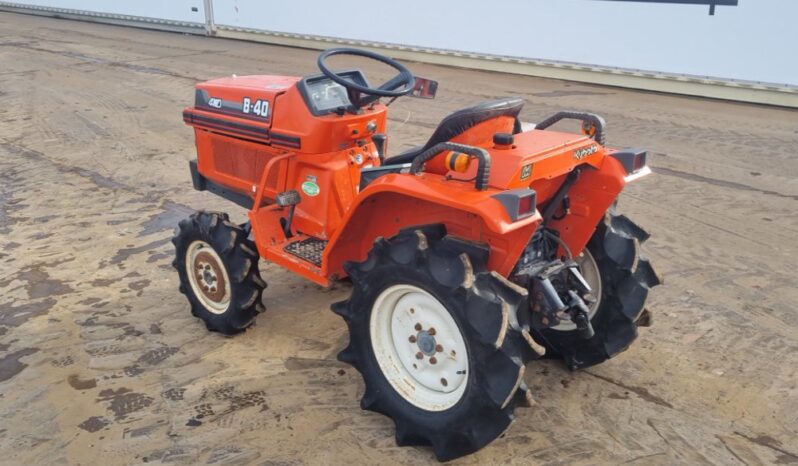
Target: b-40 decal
260	107
257	109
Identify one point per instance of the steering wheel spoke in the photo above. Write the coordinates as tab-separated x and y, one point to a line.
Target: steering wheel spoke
393	83
355	97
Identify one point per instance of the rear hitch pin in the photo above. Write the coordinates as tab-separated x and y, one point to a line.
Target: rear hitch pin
580	316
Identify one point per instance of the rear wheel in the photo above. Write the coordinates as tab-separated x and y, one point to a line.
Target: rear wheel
620	277
437	341
419	347
218	270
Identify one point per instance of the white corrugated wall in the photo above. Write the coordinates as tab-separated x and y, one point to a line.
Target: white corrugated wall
745	51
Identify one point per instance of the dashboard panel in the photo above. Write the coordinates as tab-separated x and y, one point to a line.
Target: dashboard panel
324	96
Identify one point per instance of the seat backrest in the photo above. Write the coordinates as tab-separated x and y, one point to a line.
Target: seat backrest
459	122
465	119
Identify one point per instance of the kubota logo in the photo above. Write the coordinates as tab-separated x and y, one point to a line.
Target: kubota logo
582	153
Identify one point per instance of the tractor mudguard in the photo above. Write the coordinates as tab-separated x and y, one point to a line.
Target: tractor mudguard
395	202
591	197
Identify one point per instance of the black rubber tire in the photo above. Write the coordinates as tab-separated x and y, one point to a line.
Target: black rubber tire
626	278
240	259
484	306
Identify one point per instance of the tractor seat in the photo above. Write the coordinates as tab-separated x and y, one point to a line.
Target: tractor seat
461	121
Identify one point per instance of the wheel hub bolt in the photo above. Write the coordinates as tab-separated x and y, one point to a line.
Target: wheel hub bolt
419	355
433	360
431	331
412	339
439	348
418	327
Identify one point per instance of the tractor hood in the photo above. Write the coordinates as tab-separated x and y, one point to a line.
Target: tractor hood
246	97
277	110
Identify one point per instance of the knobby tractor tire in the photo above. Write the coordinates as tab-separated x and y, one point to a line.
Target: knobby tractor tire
482	303
626	278
239	258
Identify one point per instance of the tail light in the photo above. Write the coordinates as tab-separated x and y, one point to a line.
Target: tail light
519	203
633	160
640	161
526	205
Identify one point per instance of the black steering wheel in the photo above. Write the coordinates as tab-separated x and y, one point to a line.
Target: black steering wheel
399	85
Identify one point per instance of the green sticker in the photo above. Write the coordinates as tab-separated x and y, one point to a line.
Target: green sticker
526	171
310	188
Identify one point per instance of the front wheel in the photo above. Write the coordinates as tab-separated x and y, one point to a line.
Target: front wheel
218	270
437	341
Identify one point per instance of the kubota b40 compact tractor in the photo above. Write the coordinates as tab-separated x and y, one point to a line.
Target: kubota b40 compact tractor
488	246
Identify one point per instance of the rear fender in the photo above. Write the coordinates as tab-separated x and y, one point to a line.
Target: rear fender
395	202
591	197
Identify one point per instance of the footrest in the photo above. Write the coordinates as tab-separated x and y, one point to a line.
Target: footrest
309	249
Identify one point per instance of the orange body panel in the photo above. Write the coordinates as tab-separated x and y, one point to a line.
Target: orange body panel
235	163
327	133
265	152
233	148
395	201
591	197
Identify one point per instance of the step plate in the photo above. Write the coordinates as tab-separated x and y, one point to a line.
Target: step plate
309	249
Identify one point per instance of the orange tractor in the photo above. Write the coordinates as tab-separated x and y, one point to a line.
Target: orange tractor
490	245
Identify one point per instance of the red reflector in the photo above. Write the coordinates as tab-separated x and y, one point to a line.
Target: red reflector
525	205
640	161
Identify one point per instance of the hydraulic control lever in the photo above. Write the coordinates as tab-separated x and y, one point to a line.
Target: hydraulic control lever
289	199
381	143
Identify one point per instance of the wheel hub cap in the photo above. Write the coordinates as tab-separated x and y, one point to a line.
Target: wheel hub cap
208	277
426	342
208	273
419	347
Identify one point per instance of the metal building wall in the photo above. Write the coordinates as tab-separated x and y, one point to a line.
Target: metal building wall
180	15
744	50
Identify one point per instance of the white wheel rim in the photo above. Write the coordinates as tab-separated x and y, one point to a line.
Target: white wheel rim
590	271
208	277
407	322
